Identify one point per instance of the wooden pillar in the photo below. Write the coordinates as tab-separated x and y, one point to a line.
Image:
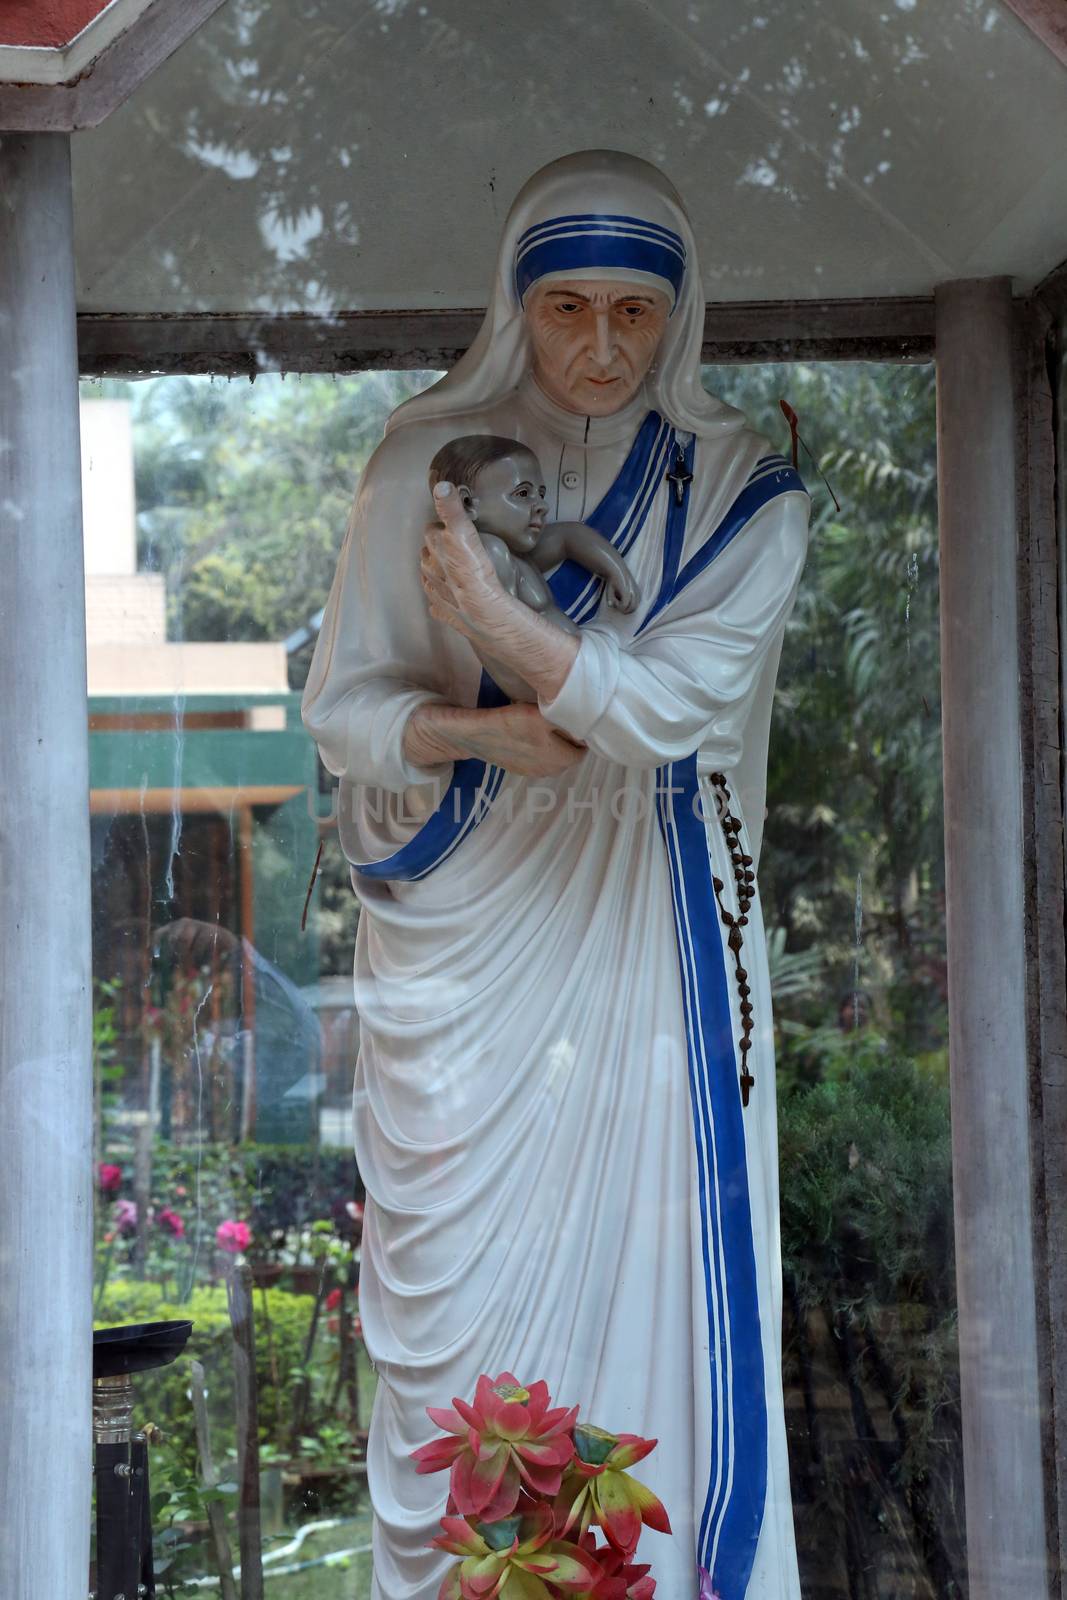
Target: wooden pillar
1001	1381
45	998
1039	408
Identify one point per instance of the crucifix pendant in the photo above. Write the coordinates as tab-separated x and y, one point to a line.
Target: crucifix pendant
679	476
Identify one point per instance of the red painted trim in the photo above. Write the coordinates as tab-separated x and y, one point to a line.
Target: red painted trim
51	23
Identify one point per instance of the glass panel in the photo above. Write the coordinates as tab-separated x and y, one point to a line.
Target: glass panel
362	156
226	1034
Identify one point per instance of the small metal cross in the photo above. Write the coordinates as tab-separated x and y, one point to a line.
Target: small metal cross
679	476
748	1083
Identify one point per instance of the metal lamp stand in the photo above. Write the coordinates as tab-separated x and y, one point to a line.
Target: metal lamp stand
124	1568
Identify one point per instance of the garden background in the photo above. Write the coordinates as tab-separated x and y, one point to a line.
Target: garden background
242	496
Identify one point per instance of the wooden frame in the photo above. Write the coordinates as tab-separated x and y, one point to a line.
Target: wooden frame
100	84
1028	1490
1046	20
1040	452
109	802
243	345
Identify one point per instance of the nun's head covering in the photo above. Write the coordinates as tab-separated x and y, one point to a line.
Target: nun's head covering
596	214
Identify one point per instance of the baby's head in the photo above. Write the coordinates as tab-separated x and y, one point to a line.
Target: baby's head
500	483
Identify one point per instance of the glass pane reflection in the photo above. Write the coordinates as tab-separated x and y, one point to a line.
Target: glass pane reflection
225	1035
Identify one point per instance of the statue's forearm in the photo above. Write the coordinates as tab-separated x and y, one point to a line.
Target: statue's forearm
536	649
515	737
435	734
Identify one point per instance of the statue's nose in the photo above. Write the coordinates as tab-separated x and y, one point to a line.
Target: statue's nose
603	339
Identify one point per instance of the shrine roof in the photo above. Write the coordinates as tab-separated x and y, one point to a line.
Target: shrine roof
361	154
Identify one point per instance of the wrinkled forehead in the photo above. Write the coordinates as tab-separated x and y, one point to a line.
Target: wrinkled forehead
602	246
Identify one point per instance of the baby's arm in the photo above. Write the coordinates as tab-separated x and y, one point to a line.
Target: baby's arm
575	541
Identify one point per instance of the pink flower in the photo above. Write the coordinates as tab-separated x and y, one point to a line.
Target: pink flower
126	1217
109	1177
507	1438
171	1221
233	1237
707	1588
598	1489
519	1556
333	1299
620	1578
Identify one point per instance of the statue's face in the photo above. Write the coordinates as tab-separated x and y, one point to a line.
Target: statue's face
594	341
509	500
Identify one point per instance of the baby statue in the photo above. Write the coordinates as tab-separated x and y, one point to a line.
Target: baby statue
501	485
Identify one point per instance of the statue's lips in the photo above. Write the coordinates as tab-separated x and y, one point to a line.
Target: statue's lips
602	383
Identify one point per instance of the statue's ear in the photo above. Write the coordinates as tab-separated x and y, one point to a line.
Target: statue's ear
470	501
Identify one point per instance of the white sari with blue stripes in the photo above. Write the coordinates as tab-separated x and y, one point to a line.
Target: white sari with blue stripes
562	1179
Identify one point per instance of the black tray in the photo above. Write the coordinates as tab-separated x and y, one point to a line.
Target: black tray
138	1347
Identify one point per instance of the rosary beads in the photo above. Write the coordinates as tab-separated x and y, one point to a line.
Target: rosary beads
745	880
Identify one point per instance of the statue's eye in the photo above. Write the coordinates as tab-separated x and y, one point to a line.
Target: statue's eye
635	310
568	307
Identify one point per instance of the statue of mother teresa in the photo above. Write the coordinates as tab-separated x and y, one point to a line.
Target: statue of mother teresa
564	1097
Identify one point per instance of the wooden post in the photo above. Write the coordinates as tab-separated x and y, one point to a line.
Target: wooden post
242	1320
209	1476
1002	1390
1040	391
46	1124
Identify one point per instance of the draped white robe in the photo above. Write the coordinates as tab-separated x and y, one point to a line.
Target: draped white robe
531	1117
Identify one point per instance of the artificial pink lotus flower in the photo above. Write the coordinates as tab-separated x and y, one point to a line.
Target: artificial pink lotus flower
515	1557
233	1237
620	1579
109	1177
171	1221
598	1489
708	1590
507	1438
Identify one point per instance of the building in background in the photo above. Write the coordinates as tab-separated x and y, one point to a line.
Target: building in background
204	795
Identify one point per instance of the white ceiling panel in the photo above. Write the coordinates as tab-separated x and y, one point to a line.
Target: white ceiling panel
343	154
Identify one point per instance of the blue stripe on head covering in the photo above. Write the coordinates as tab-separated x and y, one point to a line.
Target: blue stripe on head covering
568	244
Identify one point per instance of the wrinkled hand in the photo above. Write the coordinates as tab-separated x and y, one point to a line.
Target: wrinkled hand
518	738
465	593
459	578
623	593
